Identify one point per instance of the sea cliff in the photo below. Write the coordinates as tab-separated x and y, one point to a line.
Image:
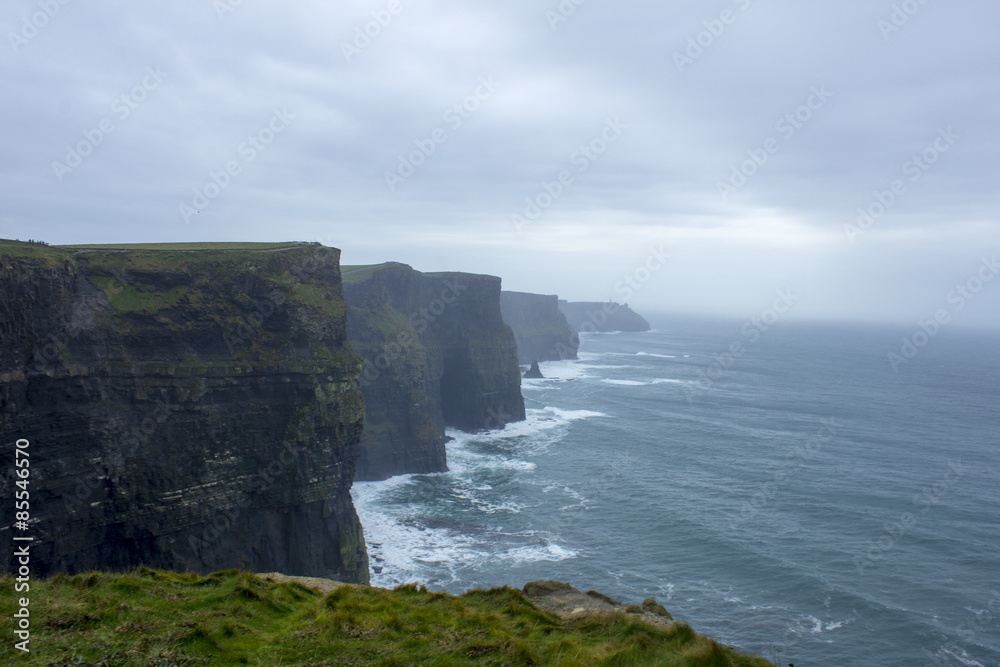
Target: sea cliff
437	353
591	317
540	328
191	407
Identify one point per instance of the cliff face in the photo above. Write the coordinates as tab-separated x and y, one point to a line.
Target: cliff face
540	329
590	317
191	410
437	354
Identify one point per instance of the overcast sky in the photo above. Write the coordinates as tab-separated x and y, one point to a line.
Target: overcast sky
739	137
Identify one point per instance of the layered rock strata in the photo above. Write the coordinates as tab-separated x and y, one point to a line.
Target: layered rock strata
437	353
190	407
540	329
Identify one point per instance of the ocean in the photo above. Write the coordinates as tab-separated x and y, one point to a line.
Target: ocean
802	500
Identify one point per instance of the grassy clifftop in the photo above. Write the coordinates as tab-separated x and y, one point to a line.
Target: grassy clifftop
150	617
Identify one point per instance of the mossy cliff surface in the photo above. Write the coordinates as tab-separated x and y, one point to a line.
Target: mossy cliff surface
540	329
437	353
190	407
150	617
594	316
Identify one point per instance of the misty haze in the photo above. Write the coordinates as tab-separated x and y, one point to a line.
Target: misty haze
562	333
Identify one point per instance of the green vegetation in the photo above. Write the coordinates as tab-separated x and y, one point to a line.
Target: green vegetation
48	254
137	297
359	273
186	246
320	298
152	617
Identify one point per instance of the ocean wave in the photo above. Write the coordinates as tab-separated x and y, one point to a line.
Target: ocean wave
403	550
582	502
638	383
464	461
568	369
809	624
537	422
407	540
960	655
658	356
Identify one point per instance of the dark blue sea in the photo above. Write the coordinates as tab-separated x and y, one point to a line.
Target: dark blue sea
802	501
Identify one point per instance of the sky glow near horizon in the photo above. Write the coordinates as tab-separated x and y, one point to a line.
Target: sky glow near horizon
555	144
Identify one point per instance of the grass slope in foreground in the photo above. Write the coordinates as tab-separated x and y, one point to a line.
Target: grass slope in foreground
150	617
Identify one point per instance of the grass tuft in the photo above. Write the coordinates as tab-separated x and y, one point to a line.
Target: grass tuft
151	617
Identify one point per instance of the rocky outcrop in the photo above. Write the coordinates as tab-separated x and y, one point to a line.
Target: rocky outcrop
437	354
567	602
534	373
193	408
540	329
590	317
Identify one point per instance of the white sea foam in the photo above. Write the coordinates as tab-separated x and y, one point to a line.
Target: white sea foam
538	421
581	501
812	625
567	369
961	656
407	548
658	356
407	551
637	383
372	491
462	460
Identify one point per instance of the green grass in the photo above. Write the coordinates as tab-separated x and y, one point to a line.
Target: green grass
47	254
359	273
319	298
152	617
186	246
138	298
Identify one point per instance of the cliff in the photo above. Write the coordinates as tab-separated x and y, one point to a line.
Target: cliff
152	617
540	329
191	407
590	317
437	354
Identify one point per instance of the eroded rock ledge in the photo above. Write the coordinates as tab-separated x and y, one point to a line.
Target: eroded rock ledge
540	328
437	353
190	407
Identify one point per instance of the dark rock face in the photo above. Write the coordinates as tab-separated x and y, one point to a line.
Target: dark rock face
540	329
534	373
189	410
590	317
437	354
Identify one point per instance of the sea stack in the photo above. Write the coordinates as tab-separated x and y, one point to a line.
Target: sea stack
534	373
